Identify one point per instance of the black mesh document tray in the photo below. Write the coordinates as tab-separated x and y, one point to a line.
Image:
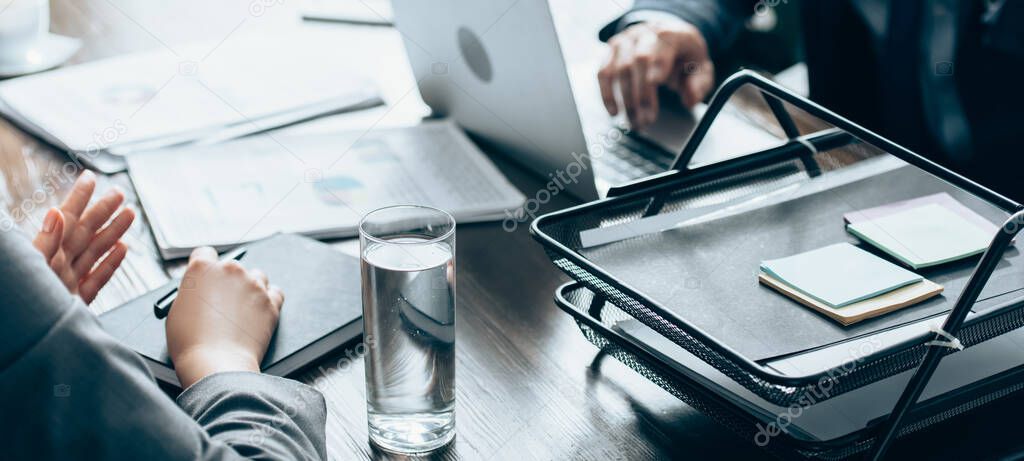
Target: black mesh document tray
679	251
597	320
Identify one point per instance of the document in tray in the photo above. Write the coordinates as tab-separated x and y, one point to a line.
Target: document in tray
317	185
923	232
162	97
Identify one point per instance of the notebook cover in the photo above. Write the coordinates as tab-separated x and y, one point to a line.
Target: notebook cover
322	308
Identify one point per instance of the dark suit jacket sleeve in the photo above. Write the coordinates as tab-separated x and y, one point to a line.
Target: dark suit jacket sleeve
69	390
718	20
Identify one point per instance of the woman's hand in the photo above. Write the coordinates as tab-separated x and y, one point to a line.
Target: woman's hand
222	319
80	249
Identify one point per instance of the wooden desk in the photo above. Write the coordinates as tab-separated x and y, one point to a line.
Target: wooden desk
526	388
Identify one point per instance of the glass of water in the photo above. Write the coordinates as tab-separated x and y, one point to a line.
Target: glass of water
408	278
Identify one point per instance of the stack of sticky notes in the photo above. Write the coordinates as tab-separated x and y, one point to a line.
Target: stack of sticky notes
846	283
923	232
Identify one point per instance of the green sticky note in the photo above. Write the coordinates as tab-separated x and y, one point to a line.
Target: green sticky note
839	275
923	236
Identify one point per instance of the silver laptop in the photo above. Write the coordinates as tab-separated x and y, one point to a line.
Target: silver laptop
497	68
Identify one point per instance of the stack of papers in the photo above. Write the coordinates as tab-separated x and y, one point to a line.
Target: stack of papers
846	283
164	97
317	185
923	232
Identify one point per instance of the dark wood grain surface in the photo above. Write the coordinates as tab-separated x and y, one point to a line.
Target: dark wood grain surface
526	386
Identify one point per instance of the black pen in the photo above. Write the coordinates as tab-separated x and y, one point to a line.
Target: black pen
163	305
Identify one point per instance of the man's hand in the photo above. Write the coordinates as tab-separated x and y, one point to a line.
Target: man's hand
73	238
647	55
222	319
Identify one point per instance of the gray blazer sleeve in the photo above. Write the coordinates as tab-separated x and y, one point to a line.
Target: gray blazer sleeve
69	390
718	20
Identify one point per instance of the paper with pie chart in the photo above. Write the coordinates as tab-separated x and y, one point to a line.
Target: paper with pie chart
317	185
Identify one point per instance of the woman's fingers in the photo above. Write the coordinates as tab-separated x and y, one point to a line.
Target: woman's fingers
259	276
95	280
48	239
81	192
276	296
92	220
74	238
103	241
207	254
62	268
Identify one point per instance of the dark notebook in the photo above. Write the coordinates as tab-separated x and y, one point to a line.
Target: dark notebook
322	307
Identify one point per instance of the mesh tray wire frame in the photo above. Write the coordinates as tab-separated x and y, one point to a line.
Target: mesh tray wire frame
559	233
595	325
838	383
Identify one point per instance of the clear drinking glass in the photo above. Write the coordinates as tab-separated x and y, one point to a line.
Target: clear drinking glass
408	278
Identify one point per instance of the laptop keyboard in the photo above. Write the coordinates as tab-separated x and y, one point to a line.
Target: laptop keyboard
630	159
